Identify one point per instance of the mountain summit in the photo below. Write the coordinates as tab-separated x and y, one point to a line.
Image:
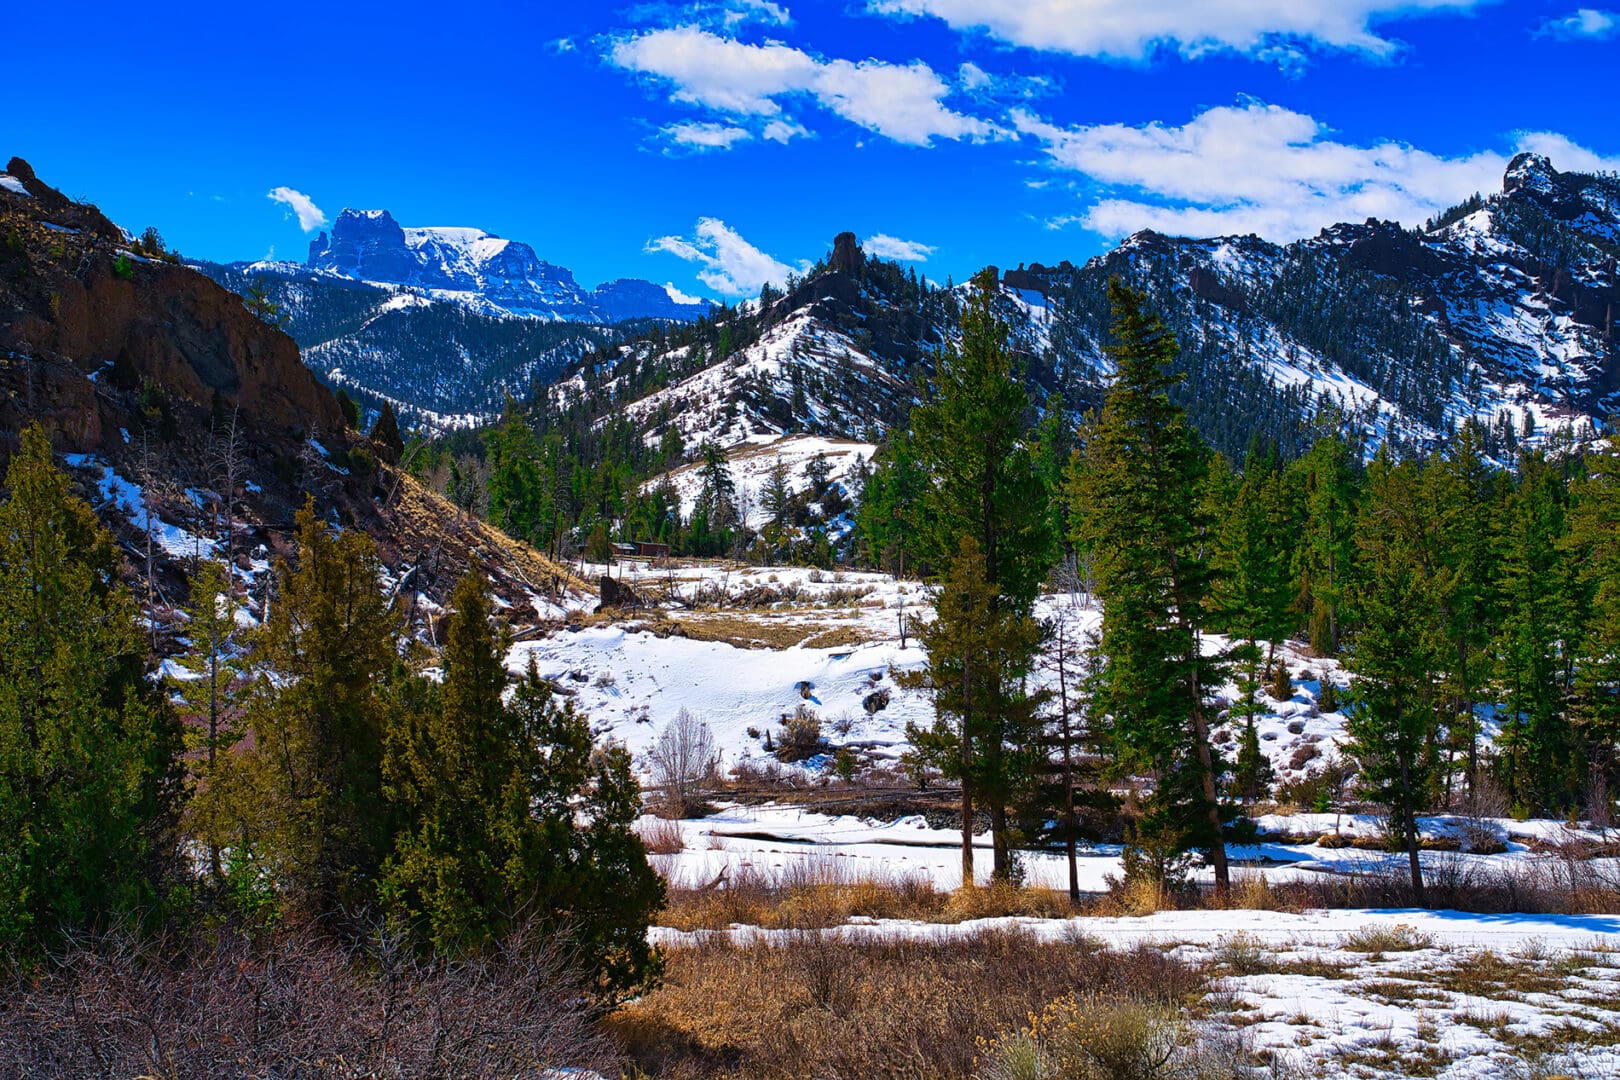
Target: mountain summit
482	271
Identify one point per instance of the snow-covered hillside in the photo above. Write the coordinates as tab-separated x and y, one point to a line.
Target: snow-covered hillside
752	462
831	641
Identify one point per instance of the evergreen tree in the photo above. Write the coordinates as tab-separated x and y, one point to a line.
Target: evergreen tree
1252	773
506	814
717	500
970	641
889	516
1325	561
1396	655
385	433
89	782
212	689
350	411
972	441
1594	545
778	495
1136	508
306	802
1536	742
1460	491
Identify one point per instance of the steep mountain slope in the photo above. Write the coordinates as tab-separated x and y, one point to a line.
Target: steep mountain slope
194	426
1501	310
439	362
839	354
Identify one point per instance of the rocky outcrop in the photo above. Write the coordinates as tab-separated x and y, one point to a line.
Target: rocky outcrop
73	295
366	244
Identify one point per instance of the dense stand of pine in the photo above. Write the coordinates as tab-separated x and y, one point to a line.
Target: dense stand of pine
307	770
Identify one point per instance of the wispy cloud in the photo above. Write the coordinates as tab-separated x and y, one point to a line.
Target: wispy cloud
902	102
310	216
1589	23
730	15
731	265
885	246
1268	170
1269	30
701	136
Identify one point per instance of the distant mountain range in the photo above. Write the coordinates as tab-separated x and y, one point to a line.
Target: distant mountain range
1500	310
444	323
484	272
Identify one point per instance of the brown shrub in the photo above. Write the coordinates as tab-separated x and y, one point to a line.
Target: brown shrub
662	836
817	1006
120	1006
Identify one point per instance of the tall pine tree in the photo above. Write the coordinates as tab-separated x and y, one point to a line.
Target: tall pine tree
972	440
89	783
306	801
1136	508
1396	654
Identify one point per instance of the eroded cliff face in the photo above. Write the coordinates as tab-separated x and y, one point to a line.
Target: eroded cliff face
76	297
193	426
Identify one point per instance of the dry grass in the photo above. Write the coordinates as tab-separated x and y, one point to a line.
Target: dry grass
1553	887
662	836
1377	940
744	631
837	636
818	893
827	1009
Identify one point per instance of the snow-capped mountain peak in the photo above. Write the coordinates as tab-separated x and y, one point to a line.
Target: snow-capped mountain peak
481	270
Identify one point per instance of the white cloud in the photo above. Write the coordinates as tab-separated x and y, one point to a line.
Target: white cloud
903	102
731	265
1268	170
783	131
680	297
739	12
983	86
1582	23
1135	30
706	136
885	246
310	217
731	15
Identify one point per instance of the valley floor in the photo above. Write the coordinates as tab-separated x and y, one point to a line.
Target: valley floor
1353	992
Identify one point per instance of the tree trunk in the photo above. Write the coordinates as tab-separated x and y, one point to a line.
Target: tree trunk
1409	823
1206	765
1001	852
965	746
1068	772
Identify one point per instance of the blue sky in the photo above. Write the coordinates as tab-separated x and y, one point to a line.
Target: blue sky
716	145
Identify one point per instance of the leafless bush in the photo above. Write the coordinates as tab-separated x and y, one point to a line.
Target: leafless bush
662	836
299	1006
1551	886
683	761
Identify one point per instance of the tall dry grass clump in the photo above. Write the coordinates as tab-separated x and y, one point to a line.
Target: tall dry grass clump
817	1006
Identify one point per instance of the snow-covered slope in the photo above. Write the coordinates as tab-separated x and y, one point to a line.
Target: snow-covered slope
752	463
837	637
